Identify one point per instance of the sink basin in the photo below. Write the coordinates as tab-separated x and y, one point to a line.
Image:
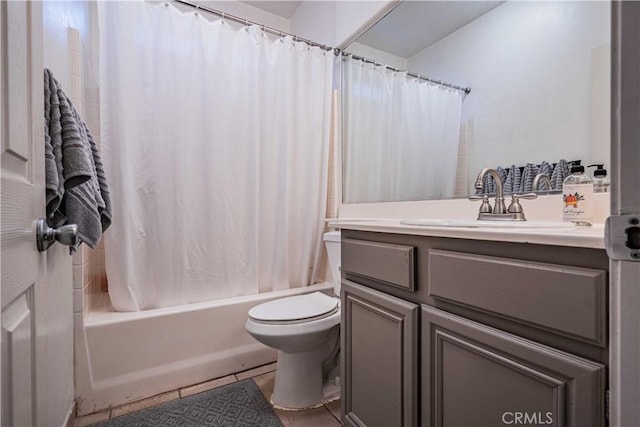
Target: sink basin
470	223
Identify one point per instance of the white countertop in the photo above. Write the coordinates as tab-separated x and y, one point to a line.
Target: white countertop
584	237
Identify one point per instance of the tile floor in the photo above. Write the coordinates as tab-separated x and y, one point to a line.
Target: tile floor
324	416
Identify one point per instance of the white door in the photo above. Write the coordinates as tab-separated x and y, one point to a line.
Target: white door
22	201
623	231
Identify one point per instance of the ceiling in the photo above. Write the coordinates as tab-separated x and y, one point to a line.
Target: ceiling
286	8
409	28
414	25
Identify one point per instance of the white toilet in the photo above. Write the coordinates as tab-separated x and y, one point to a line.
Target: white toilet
306	331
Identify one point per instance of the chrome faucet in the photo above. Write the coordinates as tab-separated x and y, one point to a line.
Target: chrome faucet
499	206
544	178
499	211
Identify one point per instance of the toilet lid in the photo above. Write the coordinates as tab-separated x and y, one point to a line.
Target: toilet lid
300	307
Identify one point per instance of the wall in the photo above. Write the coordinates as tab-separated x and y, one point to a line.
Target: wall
248	12
315	20
531	79
378	56
336	22
353	17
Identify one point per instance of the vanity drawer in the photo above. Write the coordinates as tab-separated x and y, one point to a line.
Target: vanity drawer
384	262
564	299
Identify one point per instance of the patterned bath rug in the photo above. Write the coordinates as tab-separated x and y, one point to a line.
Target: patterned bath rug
240	404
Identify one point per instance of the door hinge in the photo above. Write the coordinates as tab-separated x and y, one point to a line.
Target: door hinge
622	237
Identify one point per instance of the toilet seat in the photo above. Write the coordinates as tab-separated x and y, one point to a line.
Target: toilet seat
296	309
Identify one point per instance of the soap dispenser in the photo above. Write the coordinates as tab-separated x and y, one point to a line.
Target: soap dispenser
600	180
577	195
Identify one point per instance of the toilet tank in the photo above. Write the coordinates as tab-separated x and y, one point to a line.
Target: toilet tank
332	242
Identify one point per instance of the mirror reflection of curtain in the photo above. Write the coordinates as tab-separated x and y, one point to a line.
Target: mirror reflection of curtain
216	142
400	135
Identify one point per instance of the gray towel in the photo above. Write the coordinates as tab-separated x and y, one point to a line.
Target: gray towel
545	169
489	184
530	172
503	175
512	183
560	172
76	186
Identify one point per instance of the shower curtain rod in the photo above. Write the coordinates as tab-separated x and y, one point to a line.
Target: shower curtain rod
337	51
266	29
418	76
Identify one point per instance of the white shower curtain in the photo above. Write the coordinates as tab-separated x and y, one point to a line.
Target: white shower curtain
400	135
215	140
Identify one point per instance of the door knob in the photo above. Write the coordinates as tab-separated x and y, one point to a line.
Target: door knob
47	236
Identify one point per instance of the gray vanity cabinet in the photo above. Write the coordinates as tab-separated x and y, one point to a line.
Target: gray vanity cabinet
379	355
453	332
475	375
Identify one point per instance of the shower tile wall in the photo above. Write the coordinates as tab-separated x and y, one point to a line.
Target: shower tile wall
88	276
334	184
333	179
88	264
462	170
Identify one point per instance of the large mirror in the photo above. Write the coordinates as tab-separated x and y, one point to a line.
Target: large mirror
539	80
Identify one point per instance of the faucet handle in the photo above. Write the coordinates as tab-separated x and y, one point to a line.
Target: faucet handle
528	196
515	206
485	207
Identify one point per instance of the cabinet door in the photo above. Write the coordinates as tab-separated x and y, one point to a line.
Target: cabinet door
474	375
379	358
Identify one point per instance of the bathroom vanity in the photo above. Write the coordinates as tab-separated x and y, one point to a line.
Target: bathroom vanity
454	327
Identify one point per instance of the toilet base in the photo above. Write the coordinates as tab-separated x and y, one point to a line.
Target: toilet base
331	390
330	393
298	383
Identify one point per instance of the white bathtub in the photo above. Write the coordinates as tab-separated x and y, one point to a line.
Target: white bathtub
123	357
